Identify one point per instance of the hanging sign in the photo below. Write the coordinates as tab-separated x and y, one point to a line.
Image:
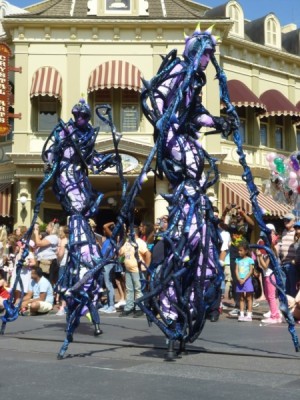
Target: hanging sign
5	53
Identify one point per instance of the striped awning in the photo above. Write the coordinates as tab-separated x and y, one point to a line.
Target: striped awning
115	74
46	81
242	96
278	104
5	199
237	193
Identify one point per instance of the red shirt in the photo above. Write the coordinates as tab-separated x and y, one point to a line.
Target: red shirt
4	293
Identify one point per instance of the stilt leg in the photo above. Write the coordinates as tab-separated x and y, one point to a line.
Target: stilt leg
170	354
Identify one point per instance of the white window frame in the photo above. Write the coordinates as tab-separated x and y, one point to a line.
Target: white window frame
272	32
236	14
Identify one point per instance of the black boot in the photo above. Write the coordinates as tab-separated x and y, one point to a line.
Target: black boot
97	330
182	349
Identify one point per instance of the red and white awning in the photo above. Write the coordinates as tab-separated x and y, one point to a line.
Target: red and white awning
115	74
46	81
237	193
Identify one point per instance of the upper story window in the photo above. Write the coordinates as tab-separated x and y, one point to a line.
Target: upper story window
263	134
279	137
235	13
118	7
272	32
242	130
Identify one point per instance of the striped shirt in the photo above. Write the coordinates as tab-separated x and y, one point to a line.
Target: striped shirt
287	251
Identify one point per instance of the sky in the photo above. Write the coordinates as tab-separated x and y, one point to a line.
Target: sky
287	11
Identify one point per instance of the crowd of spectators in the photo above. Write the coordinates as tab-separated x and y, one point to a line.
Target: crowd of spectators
120	283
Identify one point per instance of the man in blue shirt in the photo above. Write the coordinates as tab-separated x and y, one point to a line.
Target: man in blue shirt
39	298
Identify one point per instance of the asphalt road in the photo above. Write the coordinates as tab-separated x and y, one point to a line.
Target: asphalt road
231	360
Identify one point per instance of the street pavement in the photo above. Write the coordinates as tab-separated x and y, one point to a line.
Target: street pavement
231	359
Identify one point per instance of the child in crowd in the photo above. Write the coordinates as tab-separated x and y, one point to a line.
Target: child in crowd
273	316
244	288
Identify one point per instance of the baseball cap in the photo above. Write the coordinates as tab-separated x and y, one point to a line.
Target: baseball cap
271	227
289	216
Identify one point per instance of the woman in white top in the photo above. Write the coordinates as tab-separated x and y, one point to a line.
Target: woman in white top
48	249
25	273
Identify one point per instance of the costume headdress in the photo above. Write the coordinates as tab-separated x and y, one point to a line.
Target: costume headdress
81	108
199	38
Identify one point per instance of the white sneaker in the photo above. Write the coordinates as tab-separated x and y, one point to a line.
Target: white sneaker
60	312
120	303
110	310
235	312
267	314
255	304
247	318
104	308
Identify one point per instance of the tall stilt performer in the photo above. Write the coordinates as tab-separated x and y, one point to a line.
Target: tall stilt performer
185	286
69	155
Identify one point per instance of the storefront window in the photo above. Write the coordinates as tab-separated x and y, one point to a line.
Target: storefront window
98	122
47	113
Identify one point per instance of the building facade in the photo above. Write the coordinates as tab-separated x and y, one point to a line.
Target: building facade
99	49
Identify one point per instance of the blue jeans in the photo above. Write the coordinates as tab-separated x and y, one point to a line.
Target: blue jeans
108	283
290	272
133	289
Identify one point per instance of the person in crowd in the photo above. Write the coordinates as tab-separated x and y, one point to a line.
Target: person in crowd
132	272
3	236
297	251
224	259
99	238
62	256
39	298
294	305
287	254
146	233
108	251
244	288
20	232
158	250
235	220
273	316
9	255
25	273
4	290
47	251
2	255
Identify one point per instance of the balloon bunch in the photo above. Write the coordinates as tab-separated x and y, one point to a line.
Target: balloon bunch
284	182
